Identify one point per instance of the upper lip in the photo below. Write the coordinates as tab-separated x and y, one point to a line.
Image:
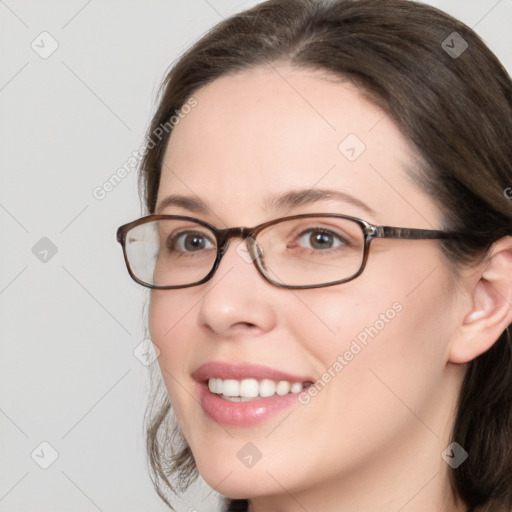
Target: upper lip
241	370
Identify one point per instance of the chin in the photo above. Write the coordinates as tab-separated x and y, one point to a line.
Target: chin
234	486
240	482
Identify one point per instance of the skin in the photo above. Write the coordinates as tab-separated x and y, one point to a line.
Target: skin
372	439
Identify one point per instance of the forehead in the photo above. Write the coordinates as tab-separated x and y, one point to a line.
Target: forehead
272	129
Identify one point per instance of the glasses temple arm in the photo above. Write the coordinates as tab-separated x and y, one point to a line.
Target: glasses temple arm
406	233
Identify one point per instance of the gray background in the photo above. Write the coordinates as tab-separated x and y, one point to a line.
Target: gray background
71	319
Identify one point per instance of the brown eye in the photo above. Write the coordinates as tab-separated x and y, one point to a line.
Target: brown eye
190	241
320	239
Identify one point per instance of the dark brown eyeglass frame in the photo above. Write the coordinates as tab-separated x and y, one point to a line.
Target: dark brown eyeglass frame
222	236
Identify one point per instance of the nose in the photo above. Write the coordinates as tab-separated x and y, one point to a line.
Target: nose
238	299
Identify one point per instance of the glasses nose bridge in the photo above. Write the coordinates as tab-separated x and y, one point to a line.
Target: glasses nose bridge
224	235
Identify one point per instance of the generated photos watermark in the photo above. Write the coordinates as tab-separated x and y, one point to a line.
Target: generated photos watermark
101	191
454	45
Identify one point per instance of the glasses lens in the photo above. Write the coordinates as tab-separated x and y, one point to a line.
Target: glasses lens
170	252
308	251
311	251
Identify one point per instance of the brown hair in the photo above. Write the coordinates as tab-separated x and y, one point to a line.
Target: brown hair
455	110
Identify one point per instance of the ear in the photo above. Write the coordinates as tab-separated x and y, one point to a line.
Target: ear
491	305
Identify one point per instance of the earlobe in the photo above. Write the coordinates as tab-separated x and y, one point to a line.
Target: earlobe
491	310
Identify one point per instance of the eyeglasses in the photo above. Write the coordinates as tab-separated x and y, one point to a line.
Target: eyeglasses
296	252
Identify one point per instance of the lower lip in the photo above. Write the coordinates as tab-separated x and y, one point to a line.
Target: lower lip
243	414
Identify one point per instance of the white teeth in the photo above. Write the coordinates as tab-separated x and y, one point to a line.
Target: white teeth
267	388
246	389
215	385
283	387
231	387
296	387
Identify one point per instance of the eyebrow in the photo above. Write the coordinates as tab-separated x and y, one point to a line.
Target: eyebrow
295	198
279	202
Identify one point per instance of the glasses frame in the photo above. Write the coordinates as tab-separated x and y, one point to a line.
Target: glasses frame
222	237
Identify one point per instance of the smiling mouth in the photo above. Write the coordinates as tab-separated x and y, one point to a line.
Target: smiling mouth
246	390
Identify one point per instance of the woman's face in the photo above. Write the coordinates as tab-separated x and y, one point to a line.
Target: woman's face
378	344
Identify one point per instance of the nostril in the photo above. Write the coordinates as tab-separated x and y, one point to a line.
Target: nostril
243	327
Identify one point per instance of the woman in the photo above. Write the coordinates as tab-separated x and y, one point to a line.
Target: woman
352	352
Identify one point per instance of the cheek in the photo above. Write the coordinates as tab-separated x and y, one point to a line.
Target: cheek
345	318
377	350
171	315
164	314
169	326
